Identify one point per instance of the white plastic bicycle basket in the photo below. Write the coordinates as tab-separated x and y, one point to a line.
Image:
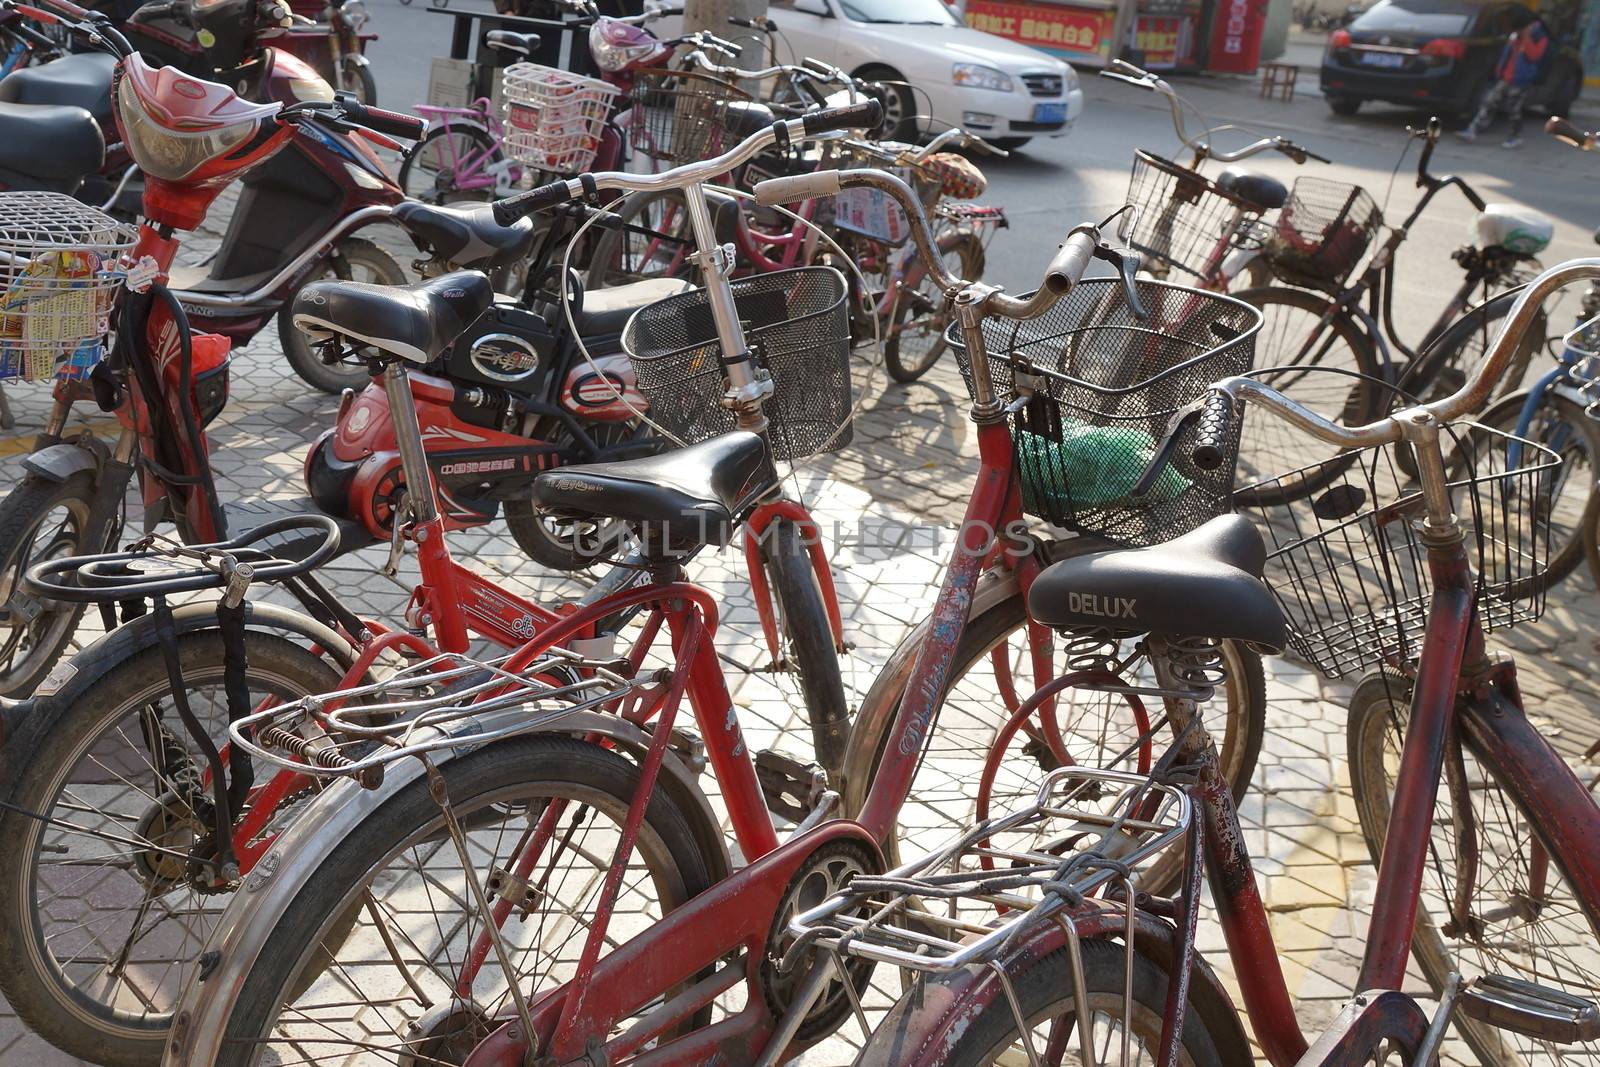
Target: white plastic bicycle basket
553	118
60	267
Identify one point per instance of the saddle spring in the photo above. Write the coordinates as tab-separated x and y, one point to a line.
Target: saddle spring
1197	662
1091	650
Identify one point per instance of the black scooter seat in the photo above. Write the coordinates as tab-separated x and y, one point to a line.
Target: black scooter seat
606	311
1206	583
688	497
57	147
466	235
81	80
413	322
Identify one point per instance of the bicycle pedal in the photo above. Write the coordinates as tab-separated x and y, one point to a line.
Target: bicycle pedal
1531	1010
790	786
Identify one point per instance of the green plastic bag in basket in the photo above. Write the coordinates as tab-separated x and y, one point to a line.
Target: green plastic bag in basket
1090	467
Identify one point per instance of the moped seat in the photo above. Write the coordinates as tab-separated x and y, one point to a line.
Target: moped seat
81	80
522	44
56	146
1206	583
683	499
606	311
1262	190
466	235
413	322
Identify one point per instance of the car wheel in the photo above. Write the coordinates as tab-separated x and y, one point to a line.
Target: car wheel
899	102
1011	144
1344	105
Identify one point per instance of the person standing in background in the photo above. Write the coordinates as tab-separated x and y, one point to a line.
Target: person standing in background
1520	65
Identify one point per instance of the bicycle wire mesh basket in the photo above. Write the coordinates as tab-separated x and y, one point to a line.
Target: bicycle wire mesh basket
681	116
1351	574
1181	220
797	324
1098	387
60	269
1322	232
554	118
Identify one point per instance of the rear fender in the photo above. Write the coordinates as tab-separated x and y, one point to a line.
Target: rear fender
322	829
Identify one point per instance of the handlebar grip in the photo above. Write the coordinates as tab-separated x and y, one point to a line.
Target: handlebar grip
1071	261
1563	130
521	205
797	187
866	115
377	119
1212	432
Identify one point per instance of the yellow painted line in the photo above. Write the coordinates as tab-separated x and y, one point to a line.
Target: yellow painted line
18	444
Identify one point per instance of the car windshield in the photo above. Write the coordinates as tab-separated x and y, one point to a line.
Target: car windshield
1440	17
904	12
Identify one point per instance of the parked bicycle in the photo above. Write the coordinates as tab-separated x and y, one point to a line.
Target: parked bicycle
1496	890
134	729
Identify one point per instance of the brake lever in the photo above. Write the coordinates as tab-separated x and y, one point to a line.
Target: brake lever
1127	265
1169	444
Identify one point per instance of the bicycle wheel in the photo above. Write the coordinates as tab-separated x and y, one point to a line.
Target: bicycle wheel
652	240
101	923
916	337
1568	502
1044	992
1299	332
40	520
431	172
1527	922
808	648
327	988
991	673
1446	364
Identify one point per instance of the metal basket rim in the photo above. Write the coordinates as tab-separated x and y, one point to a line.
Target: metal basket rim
953	336
1183	173
647	77
1551	460
698	295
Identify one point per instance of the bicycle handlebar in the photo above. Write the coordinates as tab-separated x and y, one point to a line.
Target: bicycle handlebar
1468	399
1565	131
863	115
1429	135
1123	71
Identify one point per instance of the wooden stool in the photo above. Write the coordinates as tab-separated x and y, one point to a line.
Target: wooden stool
1278	79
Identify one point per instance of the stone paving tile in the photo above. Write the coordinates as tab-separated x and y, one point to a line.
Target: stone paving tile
909	468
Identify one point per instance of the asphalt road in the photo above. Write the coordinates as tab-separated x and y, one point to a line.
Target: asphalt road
1053	184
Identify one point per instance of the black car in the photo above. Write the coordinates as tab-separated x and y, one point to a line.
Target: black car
1439	55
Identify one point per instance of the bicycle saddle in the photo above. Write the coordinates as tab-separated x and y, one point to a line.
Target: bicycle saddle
55	146
466	234
81	80
413	322
684	499
1262	190
1206	583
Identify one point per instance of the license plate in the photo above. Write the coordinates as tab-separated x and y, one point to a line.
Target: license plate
1390	60
1050	112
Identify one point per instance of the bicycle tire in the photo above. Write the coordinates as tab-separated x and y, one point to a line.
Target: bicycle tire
807	637
1442	368
1238	739
618	256
1044	993
968	250
1559	419
489	777
1272	450
432	192
72	738
1377	715
23	514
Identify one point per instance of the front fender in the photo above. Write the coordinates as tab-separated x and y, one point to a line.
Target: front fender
322	828
61	461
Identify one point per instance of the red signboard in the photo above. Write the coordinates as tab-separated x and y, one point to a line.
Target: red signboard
1157	39
1075	32
1236	38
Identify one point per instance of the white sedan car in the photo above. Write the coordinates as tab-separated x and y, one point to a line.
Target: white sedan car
998	89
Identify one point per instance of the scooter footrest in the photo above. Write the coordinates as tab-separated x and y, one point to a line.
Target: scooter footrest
1531	1010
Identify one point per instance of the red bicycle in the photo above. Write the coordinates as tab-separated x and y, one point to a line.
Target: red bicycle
1487	844
600	898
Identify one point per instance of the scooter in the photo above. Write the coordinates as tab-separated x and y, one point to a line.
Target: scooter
331	37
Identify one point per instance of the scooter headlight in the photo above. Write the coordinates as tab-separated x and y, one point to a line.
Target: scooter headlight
171	154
